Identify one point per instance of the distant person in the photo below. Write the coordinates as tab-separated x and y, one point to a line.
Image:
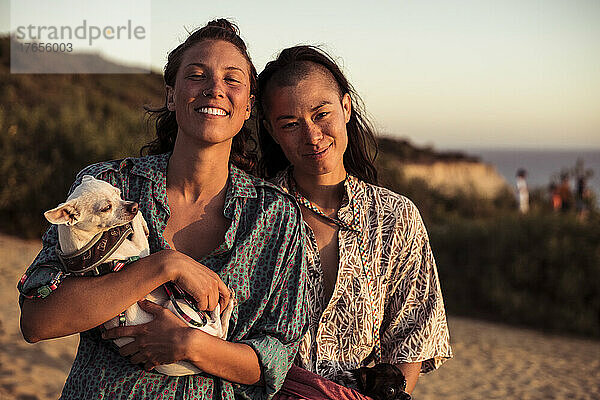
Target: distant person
555	200
581	197
564	191
522	191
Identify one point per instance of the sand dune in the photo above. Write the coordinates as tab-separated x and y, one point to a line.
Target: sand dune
492	361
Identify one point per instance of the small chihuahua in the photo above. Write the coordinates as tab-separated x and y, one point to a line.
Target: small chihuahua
97	230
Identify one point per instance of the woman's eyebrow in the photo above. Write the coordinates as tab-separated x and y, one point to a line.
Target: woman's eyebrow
232	67
284	117
236	68
321	104
196	65
315	108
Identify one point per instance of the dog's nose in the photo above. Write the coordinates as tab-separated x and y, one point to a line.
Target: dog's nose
132	207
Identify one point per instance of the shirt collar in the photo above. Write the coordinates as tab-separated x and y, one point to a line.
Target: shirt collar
352	210
154	168
240	185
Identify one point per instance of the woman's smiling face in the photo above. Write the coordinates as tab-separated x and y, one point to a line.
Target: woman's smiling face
211	97
308	120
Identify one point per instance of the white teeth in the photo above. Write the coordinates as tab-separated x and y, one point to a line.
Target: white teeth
211	111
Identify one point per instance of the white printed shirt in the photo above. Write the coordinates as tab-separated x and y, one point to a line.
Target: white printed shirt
387	303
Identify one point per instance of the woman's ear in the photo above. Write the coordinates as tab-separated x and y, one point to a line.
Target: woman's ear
347	106
170	98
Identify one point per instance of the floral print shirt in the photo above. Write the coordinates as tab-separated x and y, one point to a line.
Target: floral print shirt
387	304
261	260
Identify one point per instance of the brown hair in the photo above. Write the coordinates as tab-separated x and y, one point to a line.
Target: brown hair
243	149
291	66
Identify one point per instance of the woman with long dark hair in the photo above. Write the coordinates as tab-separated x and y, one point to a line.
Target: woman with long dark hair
374	294
215	231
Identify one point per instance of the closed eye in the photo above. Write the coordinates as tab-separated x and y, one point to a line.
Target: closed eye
196	77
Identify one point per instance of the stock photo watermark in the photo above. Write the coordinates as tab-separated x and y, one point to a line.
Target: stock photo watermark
69	37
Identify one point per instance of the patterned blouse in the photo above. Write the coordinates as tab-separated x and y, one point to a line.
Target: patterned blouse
387	304
261	260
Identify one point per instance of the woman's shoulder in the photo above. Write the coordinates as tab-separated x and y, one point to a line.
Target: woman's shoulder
267	193
388	201
149	164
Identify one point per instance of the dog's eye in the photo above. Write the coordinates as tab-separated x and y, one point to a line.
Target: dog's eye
107	208
390	391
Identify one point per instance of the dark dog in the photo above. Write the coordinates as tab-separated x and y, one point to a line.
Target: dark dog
381	382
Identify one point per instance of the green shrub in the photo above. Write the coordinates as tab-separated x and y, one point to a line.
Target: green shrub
540	270
51	126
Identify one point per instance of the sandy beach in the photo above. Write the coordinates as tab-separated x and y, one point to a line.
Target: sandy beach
492	361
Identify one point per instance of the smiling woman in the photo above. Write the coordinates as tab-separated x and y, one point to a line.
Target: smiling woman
167	125
213	96
308	122
214	230
373	289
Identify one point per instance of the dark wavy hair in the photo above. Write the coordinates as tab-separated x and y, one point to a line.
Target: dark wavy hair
291	64
243	148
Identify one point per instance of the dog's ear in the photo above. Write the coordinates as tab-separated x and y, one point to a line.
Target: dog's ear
64	214
360	376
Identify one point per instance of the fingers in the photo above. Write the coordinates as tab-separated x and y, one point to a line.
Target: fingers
122	331
129	349
217	293
224	295
139	358
150	307
212	302
203	284
210	298
148	366
220	294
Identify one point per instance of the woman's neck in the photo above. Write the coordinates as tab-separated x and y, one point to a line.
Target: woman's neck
326	191
198	174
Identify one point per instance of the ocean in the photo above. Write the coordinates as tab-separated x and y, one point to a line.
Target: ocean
541	165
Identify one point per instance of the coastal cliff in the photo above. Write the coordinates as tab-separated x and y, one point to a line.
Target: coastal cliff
448	173
455	177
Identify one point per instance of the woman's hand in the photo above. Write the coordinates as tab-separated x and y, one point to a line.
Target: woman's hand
167	339
199	281
157	342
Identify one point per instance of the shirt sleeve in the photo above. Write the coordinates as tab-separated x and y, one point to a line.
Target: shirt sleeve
415	327
46	272
276	335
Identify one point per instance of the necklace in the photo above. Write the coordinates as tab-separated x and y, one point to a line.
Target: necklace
314	208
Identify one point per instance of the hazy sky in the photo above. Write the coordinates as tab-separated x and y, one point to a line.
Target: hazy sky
453	74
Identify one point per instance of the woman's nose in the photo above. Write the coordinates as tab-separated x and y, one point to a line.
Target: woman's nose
312	133
214	88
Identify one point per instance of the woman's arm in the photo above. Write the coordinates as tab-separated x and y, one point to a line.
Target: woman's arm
82	303
267	333
416	331
235	362
411	373
167	339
